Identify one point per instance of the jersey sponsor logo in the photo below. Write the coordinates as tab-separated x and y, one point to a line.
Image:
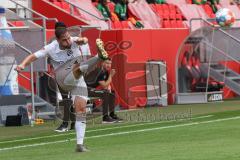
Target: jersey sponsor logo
70	52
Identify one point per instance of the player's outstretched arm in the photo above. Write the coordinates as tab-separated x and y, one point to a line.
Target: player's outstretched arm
29	59
82	40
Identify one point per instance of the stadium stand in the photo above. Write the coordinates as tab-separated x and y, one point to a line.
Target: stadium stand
17	23
149	15
169	12
85	11
159	20
195	80
143	12
23	29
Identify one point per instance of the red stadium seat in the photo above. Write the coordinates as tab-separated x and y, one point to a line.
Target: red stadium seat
59	4
212	15
76	12
160	13
169	12
172	16
111	6
66	6
184	61
173	11
125	25
166	12
172	8
158	7
178	11
173	24
18	23
198	83
180	24
166	24
208	10
165	7
154	7
165	16
117	25
95	4
179	16
189	1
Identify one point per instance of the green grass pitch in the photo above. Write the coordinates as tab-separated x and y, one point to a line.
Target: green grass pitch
180	132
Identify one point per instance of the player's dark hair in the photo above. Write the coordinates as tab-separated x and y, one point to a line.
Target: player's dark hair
60	29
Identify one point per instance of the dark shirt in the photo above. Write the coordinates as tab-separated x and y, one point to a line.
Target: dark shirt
93	79
121	11
104	10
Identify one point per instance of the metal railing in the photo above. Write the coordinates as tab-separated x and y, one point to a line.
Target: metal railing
14	28
214	27
32	19
43	18
207	21
31	67
74	5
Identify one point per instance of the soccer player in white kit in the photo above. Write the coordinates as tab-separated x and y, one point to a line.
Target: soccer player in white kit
65	58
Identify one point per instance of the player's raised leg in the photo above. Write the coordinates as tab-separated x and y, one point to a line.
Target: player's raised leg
88	65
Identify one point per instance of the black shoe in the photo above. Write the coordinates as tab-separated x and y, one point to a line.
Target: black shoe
63	127
108	119
72	126
81	148
115	117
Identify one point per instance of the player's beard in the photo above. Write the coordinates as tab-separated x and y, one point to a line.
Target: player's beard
67	47
64	47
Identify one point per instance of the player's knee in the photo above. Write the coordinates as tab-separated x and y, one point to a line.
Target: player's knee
80	105
80	113
81	117
80	109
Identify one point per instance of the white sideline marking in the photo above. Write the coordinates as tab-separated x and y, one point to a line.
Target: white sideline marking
122	133
103	129
147	123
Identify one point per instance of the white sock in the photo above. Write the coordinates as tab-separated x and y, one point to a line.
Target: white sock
80	127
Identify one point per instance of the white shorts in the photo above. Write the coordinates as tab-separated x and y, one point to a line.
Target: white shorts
83	97
79	86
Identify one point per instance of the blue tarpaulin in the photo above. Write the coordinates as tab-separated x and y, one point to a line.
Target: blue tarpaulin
8	77
5	34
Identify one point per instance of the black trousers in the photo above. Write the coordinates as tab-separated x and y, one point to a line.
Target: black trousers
107	97
48	92
67	103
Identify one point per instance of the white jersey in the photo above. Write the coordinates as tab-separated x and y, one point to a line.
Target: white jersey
58	57
63	61
85	50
